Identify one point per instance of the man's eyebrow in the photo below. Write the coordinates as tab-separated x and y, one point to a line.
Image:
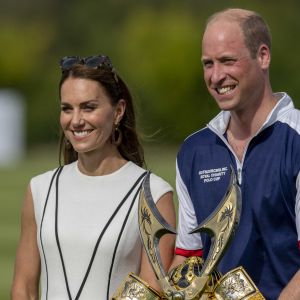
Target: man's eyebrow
206	59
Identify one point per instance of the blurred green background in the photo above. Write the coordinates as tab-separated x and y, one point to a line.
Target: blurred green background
155	47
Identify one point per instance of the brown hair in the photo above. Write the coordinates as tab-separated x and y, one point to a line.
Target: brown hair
255	29
116	89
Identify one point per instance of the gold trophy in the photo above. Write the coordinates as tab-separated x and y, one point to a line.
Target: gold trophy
204	281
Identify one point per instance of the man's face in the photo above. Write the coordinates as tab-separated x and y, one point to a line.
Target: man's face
232	76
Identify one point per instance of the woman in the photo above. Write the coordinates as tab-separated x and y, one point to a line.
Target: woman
79	222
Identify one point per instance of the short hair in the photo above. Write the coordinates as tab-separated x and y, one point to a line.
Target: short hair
255	29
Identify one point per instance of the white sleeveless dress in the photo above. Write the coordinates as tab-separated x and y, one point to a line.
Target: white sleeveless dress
72	219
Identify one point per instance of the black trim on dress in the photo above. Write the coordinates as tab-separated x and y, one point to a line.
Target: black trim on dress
120	234
58	170
98	241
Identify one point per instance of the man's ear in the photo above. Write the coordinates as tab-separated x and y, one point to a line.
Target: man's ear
264	56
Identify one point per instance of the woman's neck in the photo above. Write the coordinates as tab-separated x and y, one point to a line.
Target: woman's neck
97	164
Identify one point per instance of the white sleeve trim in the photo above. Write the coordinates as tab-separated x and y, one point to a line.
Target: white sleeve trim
187	220
158	187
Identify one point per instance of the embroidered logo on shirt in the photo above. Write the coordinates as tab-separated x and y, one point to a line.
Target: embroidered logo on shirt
212	175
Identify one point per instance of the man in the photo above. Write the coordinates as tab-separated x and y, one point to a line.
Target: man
257	132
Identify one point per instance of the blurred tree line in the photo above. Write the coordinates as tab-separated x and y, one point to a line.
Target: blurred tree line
154	45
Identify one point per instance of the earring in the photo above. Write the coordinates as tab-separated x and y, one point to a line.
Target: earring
68	145
116	136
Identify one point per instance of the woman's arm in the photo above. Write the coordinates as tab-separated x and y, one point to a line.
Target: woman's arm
165	206
27	264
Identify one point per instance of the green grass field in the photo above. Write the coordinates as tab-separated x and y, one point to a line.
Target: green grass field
13	183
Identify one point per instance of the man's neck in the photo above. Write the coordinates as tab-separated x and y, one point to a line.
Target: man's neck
245	124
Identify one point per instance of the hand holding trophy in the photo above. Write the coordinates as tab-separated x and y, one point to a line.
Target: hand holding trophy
193	279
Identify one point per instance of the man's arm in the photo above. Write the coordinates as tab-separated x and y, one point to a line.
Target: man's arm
177	260
292	290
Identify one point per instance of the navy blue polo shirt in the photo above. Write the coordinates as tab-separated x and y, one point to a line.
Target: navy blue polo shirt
266	240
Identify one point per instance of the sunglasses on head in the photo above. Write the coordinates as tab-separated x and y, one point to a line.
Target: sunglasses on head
100	61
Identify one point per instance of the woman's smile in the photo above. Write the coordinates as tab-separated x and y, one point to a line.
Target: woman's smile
82	133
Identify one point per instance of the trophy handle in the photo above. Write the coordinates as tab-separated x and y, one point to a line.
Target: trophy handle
220	225
152	227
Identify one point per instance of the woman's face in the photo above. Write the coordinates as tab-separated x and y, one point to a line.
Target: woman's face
87	115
